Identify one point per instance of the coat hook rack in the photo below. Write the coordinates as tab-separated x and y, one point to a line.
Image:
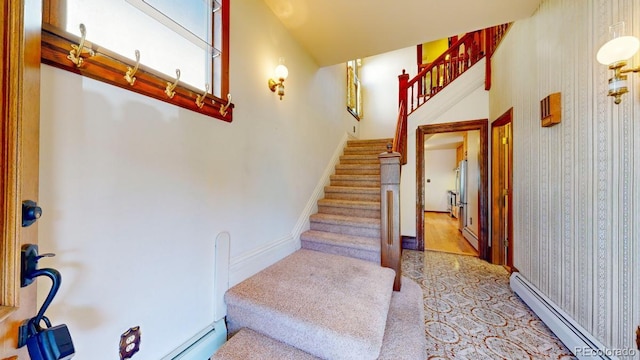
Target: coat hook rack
224	108
129	76
75	54
171	87
200	99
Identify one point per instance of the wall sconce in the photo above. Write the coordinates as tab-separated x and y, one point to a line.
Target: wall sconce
281	72
615	54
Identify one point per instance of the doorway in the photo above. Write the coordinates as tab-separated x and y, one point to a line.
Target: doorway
501	190
463	126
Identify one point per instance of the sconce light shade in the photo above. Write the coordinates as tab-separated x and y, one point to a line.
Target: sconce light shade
281	72
618	49
615	53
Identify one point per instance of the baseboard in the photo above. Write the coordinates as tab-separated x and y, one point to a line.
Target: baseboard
577	339
251	263
202	345
471	237
246	265
409	242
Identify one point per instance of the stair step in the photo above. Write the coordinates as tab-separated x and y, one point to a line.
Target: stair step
347	225
248	344
358	169
352	193
355	180
359	159
362	150
373	142
370	209
359	247
329	306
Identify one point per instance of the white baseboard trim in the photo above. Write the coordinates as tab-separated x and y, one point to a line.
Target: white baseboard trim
471	237
204	344
246	265
251	263
577	339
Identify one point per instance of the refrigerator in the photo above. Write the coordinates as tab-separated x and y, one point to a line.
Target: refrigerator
461	189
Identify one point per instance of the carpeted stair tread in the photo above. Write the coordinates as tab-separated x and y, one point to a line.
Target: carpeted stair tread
404	336
352	193
358	247
359	159
345	220
250	345
368	142
361	150
330	306
353	204
358	242
345	169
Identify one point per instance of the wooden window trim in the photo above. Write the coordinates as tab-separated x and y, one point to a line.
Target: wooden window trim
109	67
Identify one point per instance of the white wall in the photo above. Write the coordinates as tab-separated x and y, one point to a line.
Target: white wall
136	190
439	169
577	184
379	76
464	99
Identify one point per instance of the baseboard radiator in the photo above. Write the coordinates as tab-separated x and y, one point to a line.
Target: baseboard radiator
575	337
203	345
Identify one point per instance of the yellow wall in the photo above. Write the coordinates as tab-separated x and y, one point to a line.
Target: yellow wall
433	49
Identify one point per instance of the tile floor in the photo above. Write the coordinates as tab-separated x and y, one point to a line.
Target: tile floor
471	313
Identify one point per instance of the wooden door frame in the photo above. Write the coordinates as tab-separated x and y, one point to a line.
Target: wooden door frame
483	191
502	120
19	148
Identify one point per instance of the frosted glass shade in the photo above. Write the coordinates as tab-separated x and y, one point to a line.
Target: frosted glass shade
281	72
618	49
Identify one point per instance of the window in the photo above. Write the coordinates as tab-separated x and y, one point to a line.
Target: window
168	35
354	90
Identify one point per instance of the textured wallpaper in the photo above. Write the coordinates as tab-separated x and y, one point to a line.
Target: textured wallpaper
577	184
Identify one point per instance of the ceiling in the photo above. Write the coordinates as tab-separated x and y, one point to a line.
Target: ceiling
334	31
444	141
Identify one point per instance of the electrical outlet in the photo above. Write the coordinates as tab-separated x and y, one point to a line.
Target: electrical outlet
129	343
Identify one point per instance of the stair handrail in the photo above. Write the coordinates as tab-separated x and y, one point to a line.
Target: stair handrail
400	139
452	63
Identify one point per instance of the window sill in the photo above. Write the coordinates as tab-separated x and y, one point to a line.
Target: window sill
110	68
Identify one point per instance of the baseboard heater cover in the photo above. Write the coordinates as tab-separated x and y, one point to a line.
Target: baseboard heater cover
203	345
577	339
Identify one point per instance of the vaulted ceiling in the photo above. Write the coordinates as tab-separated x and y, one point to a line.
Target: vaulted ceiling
335	31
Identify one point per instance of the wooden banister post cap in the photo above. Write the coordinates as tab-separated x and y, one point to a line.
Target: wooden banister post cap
389	147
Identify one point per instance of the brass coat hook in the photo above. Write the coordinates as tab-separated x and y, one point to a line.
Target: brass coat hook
77	50
200	99
223	108
171	87
129	76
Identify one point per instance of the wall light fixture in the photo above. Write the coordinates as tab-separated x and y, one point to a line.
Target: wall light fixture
281	72
615	54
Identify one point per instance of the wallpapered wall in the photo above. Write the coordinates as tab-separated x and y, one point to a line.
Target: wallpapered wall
576	185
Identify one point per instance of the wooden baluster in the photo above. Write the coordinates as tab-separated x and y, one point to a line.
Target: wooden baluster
390	242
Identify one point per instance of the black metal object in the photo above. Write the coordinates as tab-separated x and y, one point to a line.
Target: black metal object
49	342
31	212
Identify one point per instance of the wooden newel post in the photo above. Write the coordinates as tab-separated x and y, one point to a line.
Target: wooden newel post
390	243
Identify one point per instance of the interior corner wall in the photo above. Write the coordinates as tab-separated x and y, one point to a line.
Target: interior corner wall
379	79
576	185
135	190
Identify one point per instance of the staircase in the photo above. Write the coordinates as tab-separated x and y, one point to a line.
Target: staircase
331	299
348	218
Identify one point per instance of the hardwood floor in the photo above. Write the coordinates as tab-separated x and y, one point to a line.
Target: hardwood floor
441	234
